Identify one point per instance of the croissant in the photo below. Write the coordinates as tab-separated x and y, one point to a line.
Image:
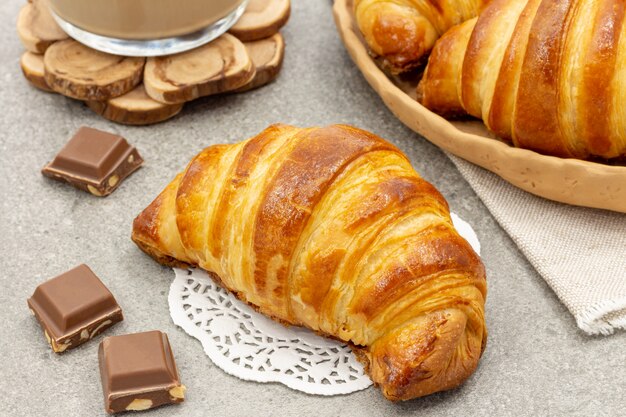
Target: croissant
331	228
545	75
403	31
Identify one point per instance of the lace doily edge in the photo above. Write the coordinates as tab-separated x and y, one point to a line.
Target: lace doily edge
219	360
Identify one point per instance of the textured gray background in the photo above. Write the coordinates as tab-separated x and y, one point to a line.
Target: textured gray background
536	363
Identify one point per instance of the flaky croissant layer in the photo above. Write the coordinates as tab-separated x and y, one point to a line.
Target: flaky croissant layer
548	75
332	229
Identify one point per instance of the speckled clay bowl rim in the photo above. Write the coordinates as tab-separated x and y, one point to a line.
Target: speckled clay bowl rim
571	181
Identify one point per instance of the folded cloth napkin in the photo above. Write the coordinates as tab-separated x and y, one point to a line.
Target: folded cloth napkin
580	252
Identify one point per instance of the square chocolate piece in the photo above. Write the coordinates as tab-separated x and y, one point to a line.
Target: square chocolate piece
138	372
94	161
73	308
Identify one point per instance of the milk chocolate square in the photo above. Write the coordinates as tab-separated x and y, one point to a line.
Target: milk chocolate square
138	372
73	308
94	161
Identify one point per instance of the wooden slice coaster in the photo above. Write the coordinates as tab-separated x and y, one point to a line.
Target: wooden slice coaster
32	67
77	71
219	66
267	56
261	19
135	108
37	28
112	85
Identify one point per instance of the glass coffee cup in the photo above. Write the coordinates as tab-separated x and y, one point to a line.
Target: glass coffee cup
146	27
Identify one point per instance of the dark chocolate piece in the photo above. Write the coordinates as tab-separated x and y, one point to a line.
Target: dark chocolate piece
94	161
73	308
138	372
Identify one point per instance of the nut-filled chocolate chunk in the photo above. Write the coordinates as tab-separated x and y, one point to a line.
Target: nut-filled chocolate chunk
94	161
73	308
138	372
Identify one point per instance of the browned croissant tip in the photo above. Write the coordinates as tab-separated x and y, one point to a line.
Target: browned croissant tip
414	361
146	223
403	33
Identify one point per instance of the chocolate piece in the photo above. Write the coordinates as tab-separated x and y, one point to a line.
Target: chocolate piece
73	308
94	161
138	372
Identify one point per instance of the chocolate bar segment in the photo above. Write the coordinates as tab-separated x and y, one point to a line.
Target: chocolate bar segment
138	372
73	308
94	161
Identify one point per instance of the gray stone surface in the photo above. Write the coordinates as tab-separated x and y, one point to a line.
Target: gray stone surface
537	362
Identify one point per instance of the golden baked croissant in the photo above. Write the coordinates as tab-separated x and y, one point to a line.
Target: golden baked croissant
403	31
331	228
546	75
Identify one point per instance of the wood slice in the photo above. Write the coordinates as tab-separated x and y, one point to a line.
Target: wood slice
219	66
261	19
32	67
78	71
135	108
267	56
37	28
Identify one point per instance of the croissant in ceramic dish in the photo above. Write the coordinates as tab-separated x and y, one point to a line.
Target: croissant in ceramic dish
403	31
546	75
332	229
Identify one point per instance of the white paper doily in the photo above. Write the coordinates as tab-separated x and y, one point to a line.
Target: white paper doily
250	346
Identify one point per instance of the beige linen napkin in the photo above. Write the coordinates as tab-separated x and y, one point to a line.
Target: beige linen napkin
580	252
